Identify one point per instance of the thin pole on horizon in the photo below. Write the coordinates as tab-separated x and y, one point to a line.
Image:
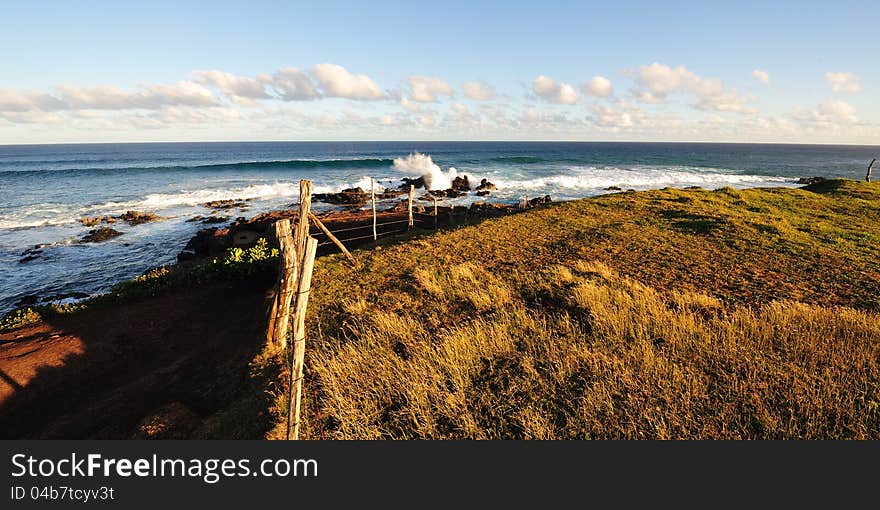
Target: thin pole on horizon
373	202
412	192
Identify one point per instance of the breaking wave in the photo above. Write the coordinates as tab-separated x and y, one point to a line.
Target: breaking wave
421	165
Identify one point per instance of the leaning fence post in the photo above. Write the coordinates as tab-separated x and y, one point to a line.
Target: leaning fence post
870	166
299	337
333	238
276	334
412	192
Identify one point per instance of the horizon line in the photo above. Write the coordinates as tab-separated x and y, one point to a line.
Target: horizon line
700	142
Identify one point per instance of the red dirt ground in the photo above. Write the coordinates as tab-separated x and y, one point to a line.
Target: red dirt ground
98	373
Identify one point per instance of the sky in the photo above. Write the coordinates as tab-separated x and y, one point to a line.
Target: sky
114	71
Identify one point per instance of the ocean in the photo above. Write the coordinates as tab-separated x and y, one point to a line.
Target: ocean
46	189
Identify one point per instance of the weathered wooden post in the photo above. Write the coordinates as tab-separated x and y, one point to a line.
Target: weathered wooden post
333	238
299	337
276	334
435	212
870	166
373	202
409	208
305	208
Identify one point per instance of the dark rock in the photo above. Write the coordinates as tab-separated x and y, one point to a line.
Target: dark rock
28	258
138	218
186	255
91	221
215	219
483	193
810	180
100	234
351	197
461	183
487	210
208	241
540	200
613	188
195	218
226	204
418	182
389	194
27	301
453	193
485	185
694	187
68	295
245	238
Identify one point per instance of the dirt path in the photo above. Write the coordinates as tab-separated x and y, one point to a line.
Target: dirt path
98	373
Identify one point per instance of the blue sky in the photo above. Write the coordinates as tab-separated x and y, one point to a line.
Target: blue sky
260	70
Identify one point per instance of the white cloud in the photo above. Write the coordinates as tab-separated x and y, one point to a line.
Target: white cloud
409	105
425	89
622	116
656	81
547	89
847	83
761	76
237	88
288	84
838	111
150	97
478	91
427	120
598	86
827	115
291	84
15	101
336	81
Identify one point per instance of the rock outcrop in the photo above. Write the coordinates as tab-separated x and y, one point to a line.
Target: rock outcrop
99	235
485	185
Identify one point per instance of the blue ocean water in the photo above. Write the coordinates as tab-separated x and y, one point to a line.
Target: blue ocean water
46	189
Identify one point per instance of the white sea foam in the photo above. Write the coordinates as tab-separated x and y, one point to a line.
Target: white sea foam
599	178
421	165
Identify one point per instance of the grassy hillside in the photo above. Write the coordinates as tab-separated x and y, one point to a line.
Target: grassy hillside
660	314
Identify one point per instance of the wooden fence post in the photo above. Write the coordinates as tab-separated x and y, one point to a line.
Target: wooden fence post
435	213
299	337
373	202
276	334
412	193
305	207
333	238
870	166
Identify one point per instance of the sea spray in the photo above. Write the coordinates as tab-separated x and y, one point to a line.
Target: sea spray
422	165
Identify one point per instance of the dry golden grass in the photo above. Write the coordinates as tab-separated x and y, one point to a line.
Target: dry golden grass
613	359
665	314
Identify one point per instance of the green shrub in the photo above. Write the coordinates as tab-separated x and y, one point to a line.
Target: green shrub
240	261
18	318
